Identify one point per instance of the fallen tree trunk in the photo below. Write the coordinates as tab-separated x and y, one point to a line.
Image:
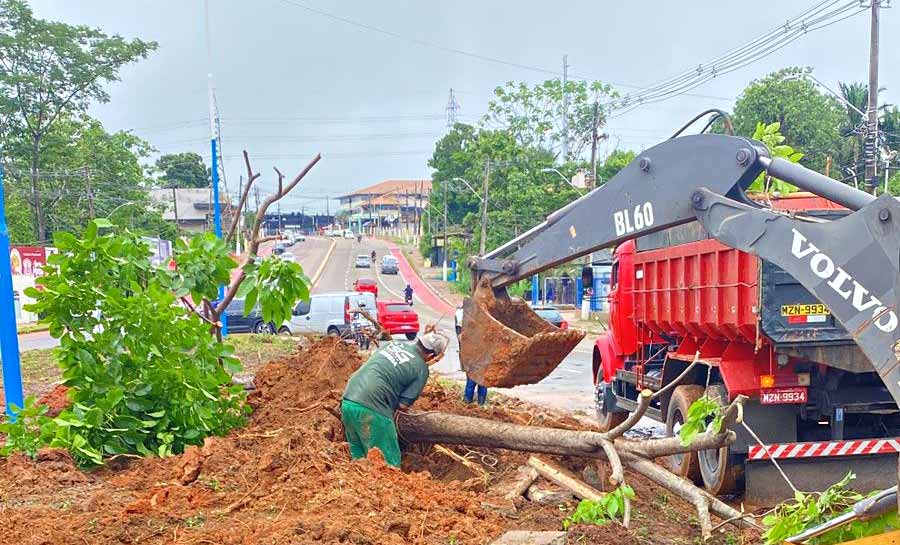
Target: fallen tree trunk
436	427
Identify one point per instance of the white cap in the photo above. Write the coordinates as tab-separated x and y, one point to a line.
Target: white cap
434	341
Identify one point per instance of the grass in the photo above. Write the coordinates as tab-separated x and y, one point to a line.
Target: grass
39	366
31	328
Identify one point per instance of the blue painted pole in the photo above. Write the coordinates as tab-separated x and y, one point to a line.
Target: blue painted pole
579	292
217	219
535	289
9	340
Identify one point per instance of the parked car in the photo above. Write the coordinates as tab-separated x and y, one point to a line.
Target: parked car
280	248
366	284
363	261
251	323
389	265
299	237
552	315
331	313
348	233
398	318
288	257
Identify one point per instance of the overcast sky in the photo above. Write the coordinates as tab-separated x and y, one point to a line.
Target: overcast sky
291	82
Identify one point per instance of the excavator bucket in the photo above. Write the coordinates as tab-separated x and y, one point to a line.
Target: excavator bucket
504	343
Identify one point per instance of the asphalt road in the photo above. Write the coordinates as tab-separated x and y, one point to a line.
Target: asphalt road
569	387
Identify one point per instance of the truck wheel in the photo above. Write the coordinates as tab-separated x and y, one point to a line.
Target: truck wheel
410	336
333	332
721	473
684	465
607	420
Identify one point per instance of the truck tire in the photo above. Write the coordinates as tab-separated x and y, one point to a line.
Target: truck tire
720	471
607	420
684	465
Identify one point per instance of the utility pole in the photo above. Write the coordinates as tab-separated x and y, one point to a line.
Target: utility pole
565	121
593	183
871	145
446	238
484	208
9	340
90	194
213	116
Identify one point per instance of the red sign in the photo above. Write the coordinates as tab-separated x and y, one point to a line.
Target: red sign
27	260
782	395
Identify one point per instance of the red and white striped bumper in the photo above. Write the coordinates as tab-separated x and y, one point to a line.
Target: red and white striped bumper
855	447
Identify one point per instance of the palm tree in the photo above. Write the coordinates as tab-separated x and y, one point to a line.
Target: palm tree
856	94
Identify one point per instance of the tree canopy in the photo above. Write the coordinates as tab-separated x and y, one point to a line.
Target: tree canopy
49	71
809	119
182	170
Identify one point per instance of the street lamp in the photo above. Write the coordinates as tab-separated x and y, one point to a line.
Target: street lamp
469	186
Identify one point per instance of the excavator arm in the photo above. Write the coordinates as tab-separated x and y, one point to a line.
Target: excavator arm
850	264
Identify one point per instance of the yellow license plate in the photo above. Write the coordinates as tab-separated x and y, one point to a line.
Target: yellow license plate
802	309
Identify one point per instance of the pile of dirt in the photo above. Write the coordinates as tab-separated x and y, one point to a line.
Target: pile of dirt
286	478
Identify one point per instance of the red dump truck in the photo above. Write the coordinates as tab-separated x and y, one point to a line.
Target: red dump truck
813	395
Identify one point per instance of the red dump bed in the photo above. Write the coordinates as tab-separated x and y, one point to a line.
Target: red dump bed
703	288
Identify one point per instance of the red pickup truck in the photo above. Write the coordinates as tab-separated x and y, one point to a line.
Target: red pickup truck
398	318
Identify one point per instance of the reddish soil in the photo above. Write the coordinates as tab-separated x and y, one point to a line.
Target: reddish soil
286	478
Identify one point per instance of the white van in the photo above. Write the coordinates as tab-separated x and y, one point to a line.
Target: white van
330	313
348	233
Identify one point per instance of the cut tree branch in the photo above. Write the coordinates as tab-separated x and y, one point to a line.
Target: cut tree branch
251	177
254	239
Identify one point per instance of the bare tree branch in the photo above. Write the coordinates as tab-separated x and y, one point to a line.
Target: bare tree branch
251	177
254	239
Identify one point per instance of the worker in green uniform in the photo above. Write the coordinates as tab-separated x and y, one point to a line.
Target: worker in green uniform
390	380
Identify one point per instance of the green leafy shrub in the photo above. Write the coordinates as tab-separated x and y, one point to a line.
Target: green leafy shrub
609	508
145	374
702	414
29	431
809	509
276	285
771	136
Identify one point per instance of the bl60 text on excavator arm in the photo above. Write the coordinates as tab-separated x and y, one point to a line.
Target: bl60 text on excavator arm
850	264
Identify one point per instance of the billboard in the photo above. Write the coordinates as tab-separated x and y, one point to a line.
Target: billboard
27	260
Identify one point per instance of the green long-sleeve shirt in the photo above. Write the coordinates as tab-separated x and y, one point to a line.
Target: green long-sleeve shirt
394	374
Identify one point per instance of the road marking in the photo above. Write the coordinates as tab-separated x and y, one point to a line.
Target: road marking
315	278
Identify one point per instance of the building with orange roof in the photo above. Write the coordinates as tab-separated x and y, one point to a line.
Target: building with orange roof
391	206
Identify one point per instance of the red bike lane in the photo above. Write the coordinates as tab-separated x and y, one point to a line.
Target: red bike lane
421	288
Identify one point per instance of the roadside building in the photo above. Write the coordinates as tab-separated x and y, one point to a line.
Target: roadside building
191	208
391	207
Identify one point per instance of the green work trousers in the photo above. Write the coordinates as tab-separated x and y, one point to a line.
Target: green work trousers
365	429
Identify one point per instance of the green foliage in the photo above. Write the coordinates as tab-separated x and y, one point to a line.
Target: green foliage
705	413
608	509
276	286
533	114
771	136
145	375
809	509
203	264
810	119
182	170
28	432
51	71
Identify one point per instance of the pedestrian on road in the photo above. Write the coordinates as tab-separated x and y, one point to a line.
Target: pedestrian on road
391	380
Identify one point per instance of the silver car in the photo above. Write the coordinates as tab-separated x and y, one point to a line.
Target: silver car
363	262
